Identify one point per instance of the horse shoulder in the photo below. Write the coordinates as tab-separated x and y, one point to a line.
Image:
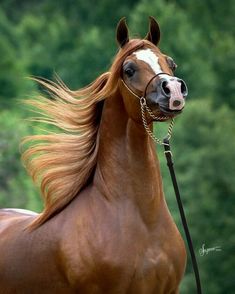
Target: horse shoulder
91	245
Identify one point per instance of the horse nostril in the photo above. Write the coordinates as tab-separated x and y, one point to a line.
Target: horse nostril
176	103
183	88
166	91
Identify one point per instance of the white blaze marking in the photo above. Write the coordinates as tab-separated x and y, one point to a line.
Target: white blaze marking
150	58
24	211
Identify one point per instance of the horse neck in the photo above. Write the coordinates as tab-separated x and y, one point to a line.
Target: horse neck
127	166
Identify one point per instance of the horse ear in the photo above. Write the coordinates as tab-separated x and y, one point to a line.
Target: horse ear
122	34
154	31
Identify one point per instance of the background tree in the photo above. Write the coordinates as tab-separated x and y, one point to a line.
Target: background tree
76	40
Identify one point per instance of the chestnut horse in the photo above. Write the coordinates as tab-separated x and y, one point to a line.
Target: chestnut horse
105	227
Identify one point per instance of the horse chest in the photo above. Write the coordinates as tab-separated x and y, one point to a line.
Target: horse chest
128	259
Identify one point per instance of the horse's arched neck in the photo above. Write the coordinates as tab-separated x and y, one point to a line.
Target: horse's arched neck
127	166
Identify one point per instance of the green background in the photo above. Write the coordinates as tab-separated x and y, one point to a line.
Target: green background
76	40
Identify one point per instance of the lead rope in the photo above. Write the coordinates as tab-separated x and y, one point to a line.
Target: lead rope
170	164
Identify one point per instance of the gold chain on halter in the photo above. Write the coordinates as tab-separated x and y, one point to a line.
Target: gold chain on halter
144	107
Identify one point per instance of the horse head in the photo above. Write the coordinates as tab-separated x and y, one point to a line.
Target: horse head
148	74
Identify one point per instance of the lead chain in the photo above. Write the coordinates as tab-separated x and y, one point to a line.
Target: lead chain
144	106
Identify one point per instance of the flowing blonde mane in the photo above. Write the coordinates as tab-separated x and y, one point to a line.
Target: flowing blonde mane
61	163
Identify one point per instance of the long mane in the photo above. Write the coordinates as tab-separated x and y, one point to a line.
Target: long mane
62	162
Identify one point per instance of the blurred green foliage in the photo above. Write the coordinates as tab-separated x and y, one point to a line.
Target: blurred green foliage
76	39
203	146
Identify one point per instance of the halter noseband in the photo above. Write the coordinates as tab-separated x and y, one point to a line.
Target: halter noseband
144	107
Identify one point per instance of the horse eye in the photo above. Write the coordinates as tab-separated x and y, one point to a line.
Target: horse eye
174	66
171	63
129	72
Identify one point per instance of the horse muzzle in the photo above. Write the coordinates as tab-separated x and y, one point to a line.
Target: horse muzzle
169	93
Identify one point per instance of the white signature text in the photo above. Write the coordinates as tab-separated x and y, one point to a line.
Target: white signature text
204	251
